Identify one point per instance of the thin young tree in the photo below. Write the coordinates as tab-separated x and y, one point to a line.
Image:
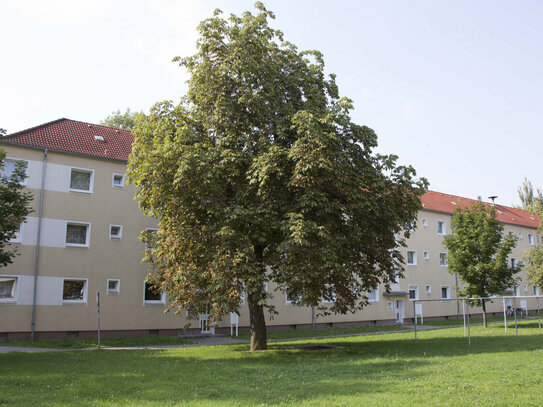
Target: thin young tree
478	251
259	175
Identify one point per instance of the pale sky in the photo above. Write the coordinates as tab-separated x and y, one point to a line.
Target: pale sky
455	88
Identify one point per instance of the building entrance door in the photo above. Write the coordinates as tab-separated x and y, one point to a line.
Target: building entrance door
399	309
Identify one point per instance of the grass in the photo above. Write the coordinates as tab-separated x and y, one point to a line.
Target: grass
310	333
93	342
382	370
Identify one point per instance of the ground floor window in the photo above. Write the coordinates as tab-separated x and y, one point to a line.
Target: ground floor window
445	292
74	290
151	296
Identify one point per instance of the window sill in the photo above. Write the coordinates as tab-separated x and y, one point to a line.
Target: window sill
81	191
76	245
154	303
74	302
8	301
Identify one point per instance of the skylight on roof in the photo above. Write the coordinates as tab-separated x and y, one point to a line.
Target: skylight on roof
99	138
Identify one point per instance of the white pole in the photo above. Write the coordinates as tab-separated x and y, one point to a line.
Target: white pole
464	315
504	315
98	311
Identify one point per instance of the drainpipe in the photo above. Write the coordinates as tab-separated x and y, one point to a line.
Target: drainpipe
37	255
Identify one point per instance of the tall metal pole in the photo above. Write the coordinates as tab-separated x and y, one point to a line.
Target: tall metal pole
469	331
538	320
415	317
464	314
37	250
98	311
515	312
313	317
504	315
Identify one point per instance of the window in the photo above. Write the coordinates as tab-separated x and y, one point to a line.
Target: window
118	181
411	258
413	292
441	227
516	291
390	305
525	288
151	237
410	226
428	289
8	289
373	295
530	238
536	290
513	263
77	234
292	297
330	293
511	233
520	235
150	296
425	222
113	286
81	180
445	292
74	291
18	233
426	255
10	166
115	231
443	260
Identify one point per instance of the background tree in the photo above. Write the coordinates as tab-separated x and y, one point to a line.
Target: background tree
527	198
14	207
478	252
123	121
260	175
3	132
533	257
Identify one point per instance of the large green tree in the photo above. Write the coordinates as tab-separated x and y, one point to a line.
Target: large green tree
14	206
478	251
533	257
259	175
123	121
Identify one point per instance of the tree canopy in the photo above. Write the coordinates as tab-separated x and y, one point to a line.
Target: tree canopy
259	175
527	197
478	252
14	206
533	257
123	121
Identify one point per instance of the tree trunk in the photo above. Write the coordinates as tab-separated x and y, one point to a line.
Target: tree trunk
259	339
484	314
258	324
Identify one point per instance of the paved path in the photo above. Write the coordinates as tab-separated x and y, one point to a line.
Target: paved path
213	341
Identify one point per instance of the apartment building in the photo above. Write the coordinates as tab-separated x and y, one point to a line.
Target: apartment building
82	238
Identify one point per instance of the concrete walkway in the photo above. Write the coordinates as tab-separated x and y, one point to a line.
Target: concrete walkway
215	341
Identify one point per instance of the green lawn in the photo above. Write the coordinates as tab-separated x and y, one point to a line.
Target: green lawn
377	370
93	343
310	333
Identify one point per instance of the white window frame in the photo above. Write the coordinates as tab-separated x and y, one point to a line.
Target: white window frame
19	237
114	291
87	237
376	290
446	263
448	287
536	290
416	288
426	255
428	289
15	160
119	236
525	289
390	305
291	301
516	290
530	238
123	180
424	222
444	229
15	298
91	181
151	230
85	291
514	262
162	300
414	263
520	236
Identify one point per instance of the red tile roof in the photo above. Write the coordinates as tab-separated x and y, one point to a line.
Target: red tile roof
436	201
76	137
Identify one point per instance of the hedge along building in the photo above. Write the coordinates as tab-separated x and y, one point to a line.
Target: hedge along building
83	237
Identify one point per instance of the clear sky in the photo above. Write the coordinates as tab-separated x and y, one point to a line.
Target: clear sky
455	88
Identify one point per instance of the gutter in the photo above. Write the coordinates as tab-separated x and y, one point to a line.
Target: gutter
37	255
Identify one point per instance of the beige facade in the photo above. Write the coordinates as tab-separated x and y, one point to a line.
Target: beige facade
101	212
